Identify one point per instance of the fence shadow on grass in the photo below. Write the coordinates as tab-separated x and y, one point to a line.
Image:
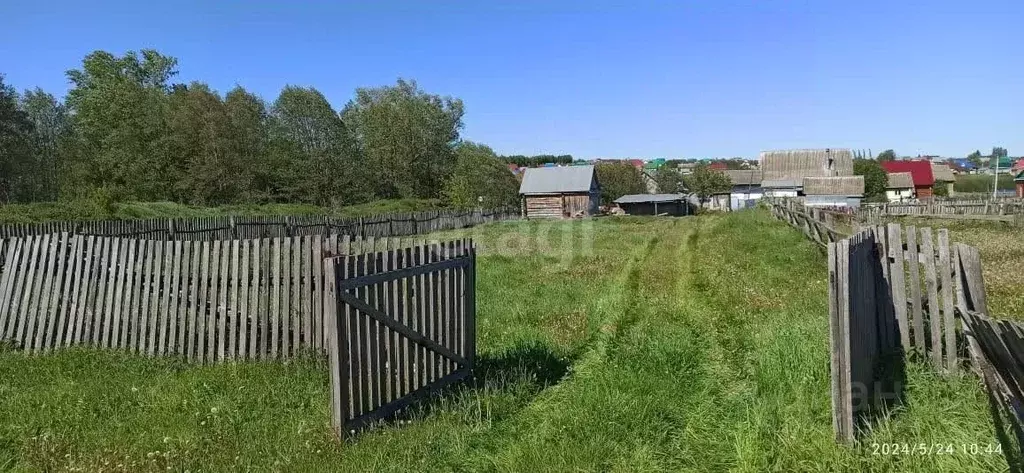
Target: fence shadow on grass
1008	431
529	362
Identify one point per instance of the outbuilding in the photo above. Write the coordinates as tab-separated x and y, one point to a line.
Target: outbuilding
920	170
746	188
1019	182
654	204
560	192
900	187
840	191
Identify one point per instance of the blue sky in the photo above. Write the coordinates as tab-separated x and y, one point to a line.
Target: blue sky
593	79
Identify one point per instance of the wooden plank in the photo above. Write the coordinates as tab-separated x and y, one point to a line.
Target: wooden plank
263	339
286	289
12	264
899	287
319	277
135	298
308	340
61	297
124	297
222	301
932	290
232	314
165	291
275	297
364	266
172	292
122	275
212	302
112	269
335	353
32	282
34	340
471	307
296	295
406	365
193	250
181	287
246	321
373	328
145	297
202	300
945	270
845	366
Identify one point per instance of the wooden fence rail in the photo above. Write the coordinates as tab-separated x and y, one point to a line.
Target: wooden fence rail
200	300
255	227
1001	211
404	327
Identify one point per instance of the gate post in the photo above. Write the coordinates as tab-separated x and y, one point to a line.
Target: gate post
337	349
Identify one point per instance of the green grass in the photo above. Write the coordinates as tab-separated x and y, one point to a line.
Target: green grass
694	344
76	211
981	182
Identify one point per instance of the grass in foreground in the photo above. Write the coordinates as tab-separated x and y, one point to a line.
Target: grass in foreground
695	344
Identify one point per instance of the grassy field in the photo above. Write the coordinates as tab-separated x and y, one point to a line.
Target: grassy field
693	344
981	182
49	211
1002	257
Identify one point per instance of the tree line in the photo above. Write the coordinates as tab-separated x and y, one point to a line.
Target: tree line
126	131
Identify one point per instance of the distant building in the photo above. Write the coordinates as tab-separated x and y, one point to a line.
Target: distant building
718	166
800	163
900	187
746	188
782	187
944	176
836	191
1019	183
920	171
560	192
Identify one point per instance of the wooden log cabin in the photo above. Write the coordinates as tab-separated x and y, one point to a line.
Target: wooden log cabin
560	192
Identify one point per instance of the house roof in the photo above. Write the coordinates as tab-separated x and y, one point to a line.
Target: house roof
920	170
838	185
649	198
1019	164
797	164
1020	176
555	180
942	172
900	180
718	166
744	177
782	183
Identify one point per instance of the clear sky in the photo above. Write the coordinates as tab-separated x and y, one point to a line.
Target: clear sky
593	78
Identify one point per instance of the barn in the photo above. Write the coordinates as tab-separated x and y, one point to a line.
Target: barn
788	165
560	192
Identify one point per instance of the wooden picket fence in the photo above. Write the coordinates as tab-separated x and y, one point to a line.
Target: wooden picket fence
200	300
405	327
810	221
1001	211
256	227
893	291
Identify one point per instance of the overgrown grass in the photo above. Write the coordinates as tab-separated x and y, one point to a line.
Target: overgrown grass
694	344
981	182
76	211
1002	256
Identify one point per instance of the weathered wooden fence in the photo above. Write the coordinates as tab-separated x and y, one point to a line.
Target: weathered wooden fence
254	227
1003	211
404	327
811	221
200	300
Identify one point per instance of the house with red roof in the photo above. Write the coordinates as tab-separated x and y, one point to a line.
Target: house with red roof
1018	166
920	172
718	166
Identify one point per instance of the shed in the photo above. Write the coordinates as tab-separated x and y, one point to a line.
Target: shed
746	188
781	187
800	163
654	204
900	187
920	171
560	192
838	191
944	175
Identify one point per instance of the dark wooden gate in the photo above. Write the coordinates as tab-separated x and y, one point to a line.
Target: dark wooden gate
404	326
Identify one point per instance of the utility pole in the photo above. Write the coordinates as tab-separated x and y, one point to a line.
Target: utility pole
995	178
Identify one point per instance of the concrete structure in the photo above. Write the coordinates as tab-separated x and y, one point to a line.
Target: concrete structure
560	192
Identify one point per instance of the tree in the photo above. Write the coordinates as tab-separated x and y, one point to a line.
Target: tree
480	179
406	138
975	158
705	182
887	155
50	131
118	108
875	178
618	179
669	180
250	142
999	152
16	130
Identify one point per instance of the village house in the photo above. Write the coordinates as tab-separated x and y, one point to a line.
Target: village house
900	187
560	192
837	191
783	172
1019	183
920	171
